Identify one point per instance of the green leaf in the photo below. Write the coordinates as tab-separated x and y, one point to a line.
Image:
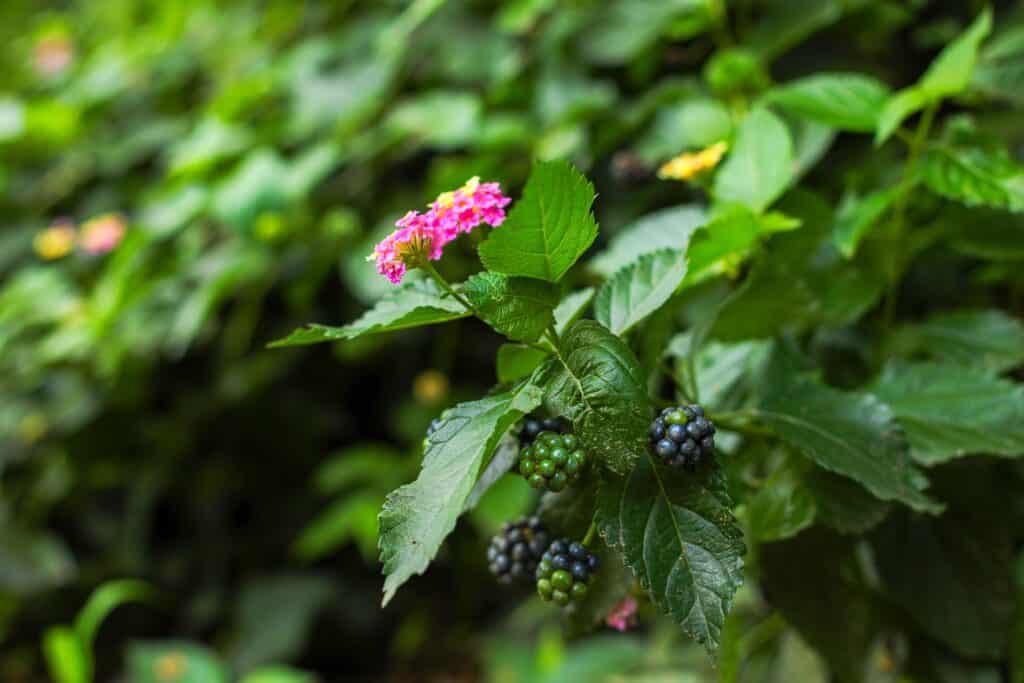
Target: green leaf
439	118
842	100
999	72
857	215
516	361
949	411
693	124
33	561
67	659
571	307
985	338
597	383
721	244
952	576
975	176
519	308
759	167
848	433
639	290
669	228
177	661
782	507
105	600
843	505
897	109
417	517
279	674
548	229
505	456
678	535
411	305
606	590
775	296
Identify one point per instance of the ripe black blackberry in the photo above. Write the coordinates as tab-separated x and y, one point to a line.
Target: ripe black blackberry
565	571
682	436
514	553
553	461
533	426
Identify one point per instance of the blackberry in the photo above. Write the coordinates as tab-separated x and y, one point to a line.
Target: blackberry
565	571
533	426
514	553
682	436
553	461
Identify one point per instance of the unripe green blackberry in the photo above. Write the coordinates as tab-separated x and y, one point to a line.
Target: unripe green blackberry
533	426
553	461
682	436
514	553
565	572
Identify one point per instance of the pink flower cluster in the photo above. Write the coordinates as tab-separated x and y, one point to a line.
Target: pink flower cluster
424	235
623	615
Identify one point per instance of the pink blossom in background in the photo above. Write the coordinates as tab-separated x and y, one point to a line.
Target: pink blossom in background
623	615
101	234
424	235
53	54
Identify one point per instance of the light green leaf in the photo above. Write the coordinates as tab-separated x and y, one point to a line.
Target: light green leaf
759	167
693	124
571	308
857	215
999	71
67	659
417	517
986	338
949	411
722	244
548	229
440	118
177	661
639	290
519	308
279	674
516	361
842	100
897	109
678	535
782	507
103	601
597	383
975	176
411	305
669	228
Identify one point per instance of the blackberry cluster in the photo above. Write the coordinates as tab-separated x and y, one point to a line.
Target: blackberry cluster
553	461
514	553
564	572
682	436
533	426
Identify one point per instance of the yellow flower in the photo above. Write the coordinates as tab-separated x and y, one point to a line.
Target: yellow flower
689	165
55	242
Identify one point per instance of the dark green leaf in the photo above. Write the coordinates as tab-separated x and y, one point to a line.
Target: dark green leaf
669	228
841	100
857	215
782	507
548	229
519	308
678	535
640	289
975	176
759	167
417	517
984	338
516	361
842	504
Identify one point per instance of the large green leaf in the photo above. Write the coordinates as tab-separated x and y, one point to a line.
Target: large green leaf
516	361
986	338
953	576
638	290
842	504
548	229
665	229
417	517
851	434
679	537
953	410
411	305
519	308
842	100
759	167
975	176
597	383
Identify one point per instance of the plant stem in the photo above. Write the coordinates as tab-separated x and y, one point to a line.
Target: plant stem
430	270
590	532
553	337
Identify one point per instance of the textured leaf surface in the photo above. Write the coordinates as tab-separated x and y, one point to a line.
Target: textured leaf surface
679	537
975	176
411	305
841	100
638	290
548	229
979	337
519	308
951	410
417	517
760	165
597	383
669	228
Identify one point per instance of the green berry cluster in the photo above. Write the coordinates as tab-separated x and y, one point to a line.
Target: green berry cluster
553	461
565	571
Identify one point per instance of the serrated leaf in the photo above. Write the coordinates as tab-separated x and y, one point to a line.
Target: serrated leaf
848	433
760	164
640	289
857	215
548	229
846	101
949	411
597	383
986	338
411	305
678	535
519	308
975	176
842	504
516	361
417	517
669	228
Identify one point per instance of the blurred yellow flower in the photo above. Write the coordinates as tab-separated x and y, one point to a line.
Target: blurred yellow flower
688	165
171	666
102	234
430	386
55	242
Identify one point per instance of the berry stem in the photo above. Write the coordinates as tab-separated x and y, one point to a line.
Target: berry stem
439	279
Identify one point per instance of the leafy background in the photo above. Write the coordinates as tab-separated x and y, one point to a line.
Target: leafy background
178	502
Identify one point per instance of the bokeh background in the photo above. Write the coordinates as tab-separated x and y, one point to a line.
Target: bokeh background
183	182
